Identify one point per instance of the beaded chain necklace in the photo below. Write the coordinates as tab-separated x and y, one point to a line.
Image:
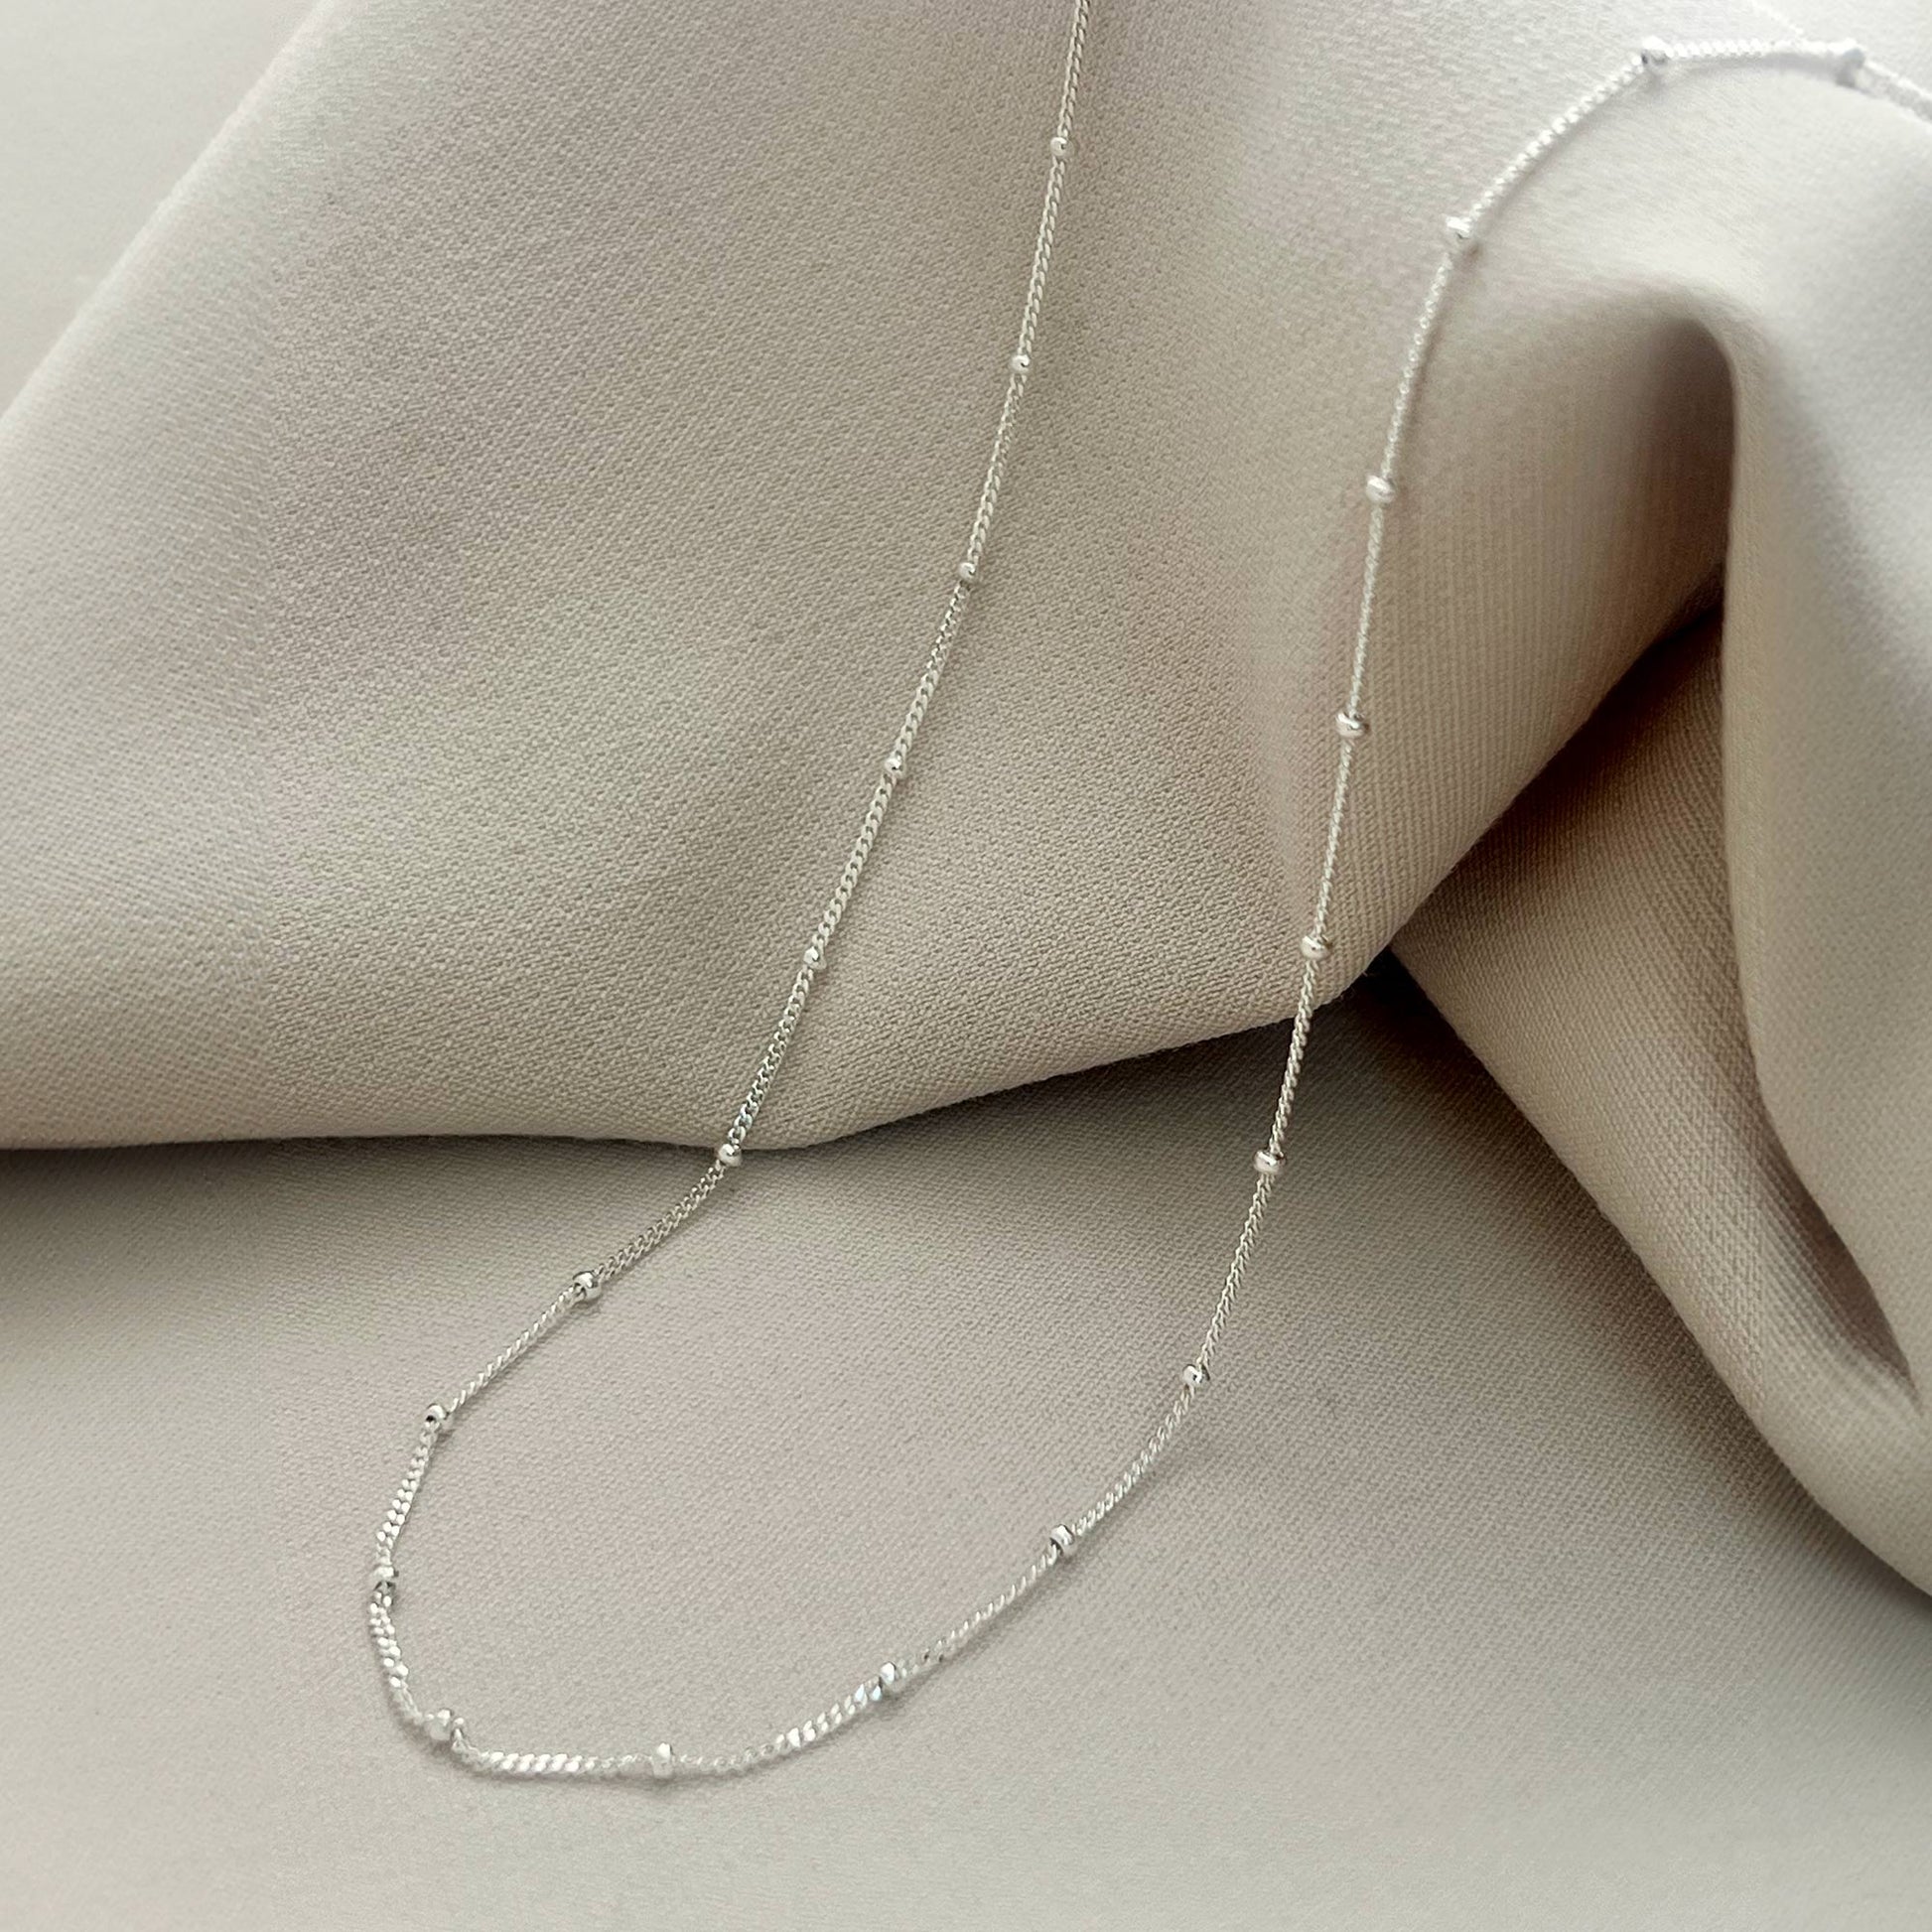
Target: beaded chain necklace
1462	234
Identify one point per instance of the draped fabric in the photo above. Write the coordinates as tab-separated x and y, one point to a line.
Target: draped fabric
462	564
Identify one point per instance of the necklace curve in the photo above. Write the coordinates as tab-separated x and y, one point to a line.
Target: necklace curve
1462	233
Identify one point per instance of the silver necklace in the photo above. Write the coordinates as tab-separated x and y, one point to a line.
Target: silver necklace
1462	234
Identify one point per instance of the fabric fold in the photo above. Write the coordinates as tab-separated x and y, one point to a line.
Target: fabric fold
1585	952
457	577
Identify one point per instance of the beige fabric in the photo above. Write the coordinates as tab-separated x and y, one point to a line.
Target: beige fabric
1585	953
1472	1603
455	576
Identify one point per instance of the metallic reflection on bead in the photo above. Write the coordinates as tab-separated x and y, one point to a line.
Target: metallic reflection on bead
1267	1162
1460	232
439	1418
1020	363
1060	1540
1349	726
1656	53
730	1155
1056	147
1315	947
586	1287
1379	491
1194	1376
664	1762
892	1680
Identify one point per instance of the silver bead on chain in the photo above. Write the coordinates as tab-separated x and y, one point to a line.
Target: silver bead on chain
1462	234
